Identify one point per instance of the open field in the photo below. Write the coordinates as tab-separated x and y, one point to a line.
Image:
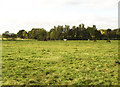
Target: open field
59	62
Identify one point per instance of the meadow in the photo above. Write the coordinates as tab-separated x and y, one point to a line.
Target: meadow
78	62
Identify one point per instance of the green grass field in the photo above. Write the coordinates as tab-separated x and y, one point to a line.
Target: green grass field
34	62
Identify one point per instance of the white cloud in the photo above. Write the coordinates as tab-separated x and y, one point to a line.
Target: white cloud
19	14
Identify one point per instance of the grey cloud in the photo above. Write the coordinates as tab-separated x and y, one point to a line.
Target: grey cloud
106	4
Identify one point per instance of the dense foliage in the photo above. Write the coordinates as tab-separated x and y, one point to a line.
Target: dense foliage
7	35
65	32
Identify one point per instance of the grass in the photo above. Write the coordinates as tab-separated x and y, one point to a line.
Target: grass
34	62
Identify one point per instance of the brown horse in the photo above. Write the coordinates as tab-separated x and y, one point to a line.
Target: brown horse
95	40
108	41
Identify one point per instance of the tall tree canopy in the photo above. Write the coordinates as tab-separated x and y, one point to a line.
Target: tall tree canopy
65	32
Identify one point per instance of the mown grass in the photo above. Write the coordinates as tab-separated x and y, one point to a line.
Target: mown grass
59	62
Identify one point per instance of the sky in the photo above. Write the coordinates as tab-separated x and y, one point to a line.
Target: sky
16	15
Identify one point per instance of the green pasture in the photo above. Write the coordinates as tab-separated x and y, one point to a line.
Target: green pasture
79	62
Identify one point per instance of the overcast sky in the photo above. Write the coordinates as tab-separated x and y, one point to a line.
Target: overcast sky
27	14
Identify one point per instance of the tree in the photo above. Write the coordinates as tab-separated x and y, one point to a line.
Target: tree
92	31
65	31
118	33
20	34
48	36
6	32
52	36
53	33
80	35
74	32
113	34
59	32
9	35
109	33
5	35
34	33
69	34
24	34
98	34
84	34
13	36
29	35
82	27
42	34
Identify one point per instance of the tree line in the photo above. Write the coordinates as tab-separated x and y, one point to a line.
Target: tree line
65	32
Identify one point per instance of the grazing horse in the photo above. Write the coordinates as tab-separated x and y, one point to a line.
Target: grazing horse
108	41
45	39
94	40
